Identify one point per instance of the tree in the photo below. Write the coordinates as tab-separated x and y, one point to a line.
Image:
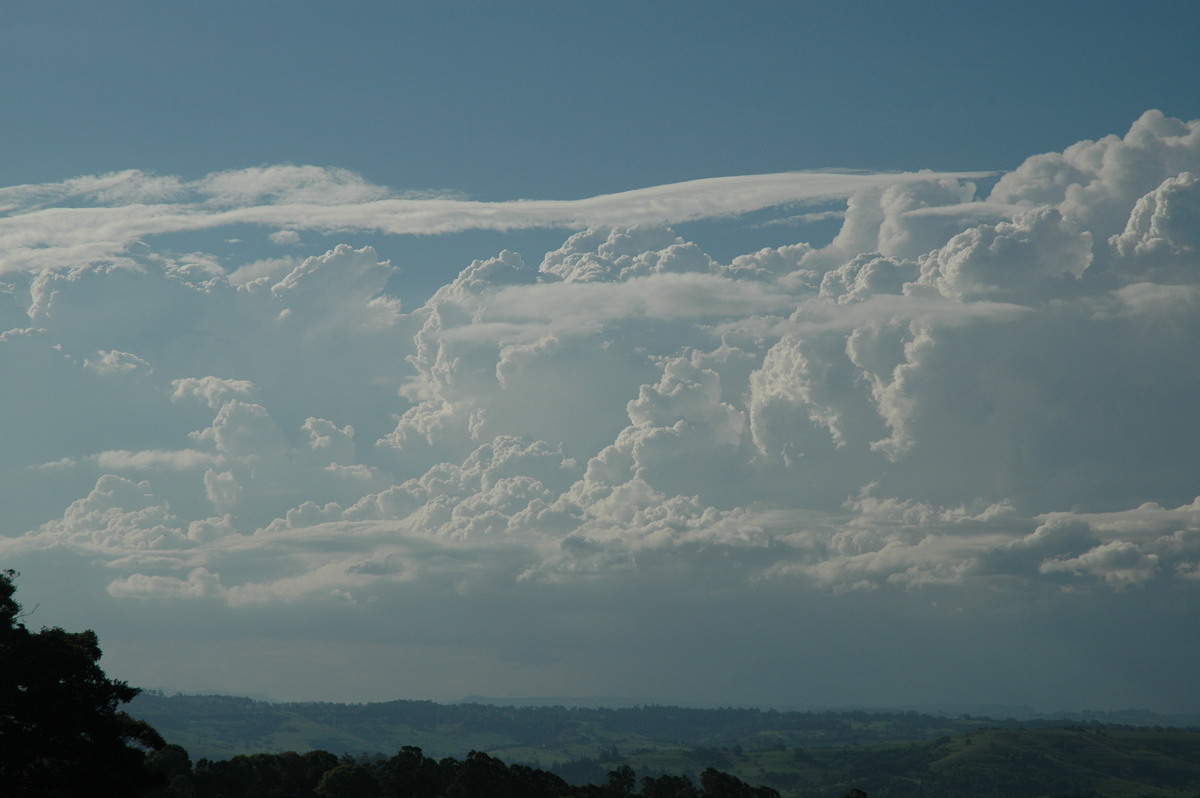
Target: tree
667	786
175	768
61	733
349	781
716	784
410	773
621	781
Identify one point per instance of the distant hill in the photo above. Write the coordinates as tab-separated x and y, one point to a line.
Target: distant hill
216	726
222	726
1130	717
1078	761
806	754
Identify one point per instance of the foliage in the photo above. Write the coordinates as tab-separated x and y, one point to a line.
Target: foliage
60	729
349	781
411	774
1075	761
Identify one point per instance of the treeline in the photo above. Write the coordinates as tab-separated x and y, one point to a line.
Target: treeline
411	774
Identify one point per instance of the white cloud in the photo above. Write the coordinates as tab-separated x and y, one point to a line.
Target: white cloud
1119	563
285	238
37	233
955	399
1095	183
867	275
1161	236
286	184
786	402
117	515
1029	259
621	253
342	289
213	390
221	489
122	459
130	186
113	362
775	262
200	582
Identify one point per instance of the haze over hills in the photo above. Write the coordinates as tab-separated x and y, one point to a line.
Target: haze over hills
799	753
216	726
1131	717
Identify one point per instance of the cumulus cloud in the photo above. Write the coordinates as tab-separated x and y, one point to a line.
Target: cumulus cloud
114	362
118	515
956	396
199	582
1095	183
1118	563
1160	242
1026	259
285	238
214	391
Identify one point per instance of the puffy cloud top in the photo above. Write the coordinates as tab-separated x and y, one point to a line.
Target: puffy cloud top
954	397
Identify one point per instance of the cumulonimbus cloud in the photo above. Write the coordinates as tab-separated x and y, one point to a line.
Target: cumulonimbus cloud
955	397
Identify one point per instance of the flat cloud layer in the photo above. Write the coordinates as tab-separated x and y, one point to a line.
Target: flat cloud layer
948	456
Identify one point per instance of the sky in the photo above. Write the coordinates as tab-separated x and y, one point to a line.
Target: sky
770	354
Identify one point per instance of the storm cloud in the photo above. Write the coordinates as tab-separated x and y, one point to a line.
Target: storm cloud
910	463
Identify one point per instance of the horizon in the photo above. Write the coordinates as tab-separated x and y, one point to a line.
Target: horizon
802	356
953	710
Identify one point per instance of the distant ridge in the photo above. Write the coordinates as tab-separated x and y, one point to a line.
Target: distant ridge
1123	717
572	727
998	711
594	702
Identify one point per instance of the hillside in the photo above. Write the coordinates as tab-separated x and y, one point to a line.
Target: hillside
1002	762
222	726
802	754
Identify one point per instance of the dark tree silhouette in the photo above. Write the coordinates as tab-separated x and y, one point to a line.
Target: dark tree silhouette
716	784
621	781
349	781
61	733
410	773
668	786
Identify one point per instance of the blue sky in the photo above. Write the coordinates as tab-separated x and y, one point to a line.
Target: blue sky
560	100
364	351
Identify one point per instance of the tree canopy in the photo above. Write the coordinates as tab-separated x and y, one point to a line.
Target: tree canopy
61	730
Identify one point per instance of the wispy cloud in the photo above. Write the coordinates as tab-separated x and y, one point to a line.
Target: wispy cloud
97	218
